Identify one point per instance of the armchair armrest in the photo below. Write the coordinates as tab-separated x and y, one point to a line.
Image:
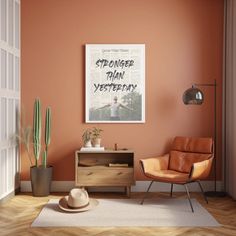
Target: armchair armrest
201	170
155	163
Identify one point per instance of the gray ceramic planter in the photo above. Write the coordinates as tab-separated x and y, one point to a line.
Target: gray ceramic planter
41	179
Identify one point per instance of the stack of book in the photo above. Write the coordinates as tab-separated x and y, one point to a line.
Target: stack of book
118	165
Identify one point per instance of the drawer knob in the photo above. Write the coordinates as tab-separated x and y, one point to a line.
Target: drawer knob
90	173
120	173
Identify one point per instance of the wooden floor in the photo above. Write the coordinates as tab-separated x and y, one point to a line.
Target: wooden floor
17	214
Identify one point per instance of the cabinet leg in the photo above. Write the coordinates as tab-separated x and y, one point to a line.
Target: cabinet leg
128	190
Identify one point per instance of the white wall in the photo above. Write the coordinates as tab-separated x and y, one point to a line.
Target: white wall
9	94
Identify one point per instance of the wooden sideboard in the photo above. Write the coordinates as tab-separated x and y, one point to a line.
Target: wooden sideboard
92	169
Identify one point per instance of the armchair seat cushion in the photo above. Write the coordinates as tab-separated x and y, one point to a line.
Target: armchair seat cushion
171	176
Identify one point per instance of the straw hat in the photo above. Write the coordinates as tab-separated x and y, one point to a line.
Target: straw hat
77	201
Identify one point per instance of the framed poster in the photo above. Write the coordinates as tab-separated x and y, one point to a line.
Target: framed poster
115	83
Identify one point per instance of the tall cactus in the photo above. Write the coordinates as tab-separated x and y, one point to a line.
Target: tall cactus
44	159
47	135
37	130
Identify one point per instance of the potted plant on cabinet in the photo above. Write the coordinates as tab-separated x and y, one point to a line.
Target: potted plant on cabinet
87	136
96	134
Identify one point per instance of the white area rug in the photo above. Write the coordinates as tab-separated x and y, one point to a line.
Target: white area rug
128	212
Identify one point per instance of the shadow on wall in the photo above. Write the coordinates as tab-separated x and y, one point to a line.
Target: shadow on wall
63	164
168	103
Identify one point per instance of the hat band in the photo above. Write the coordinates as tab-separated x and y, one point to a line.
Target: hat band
78	207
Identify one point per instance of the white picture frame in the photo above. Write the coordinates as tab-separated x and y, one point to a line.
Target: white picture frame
115	83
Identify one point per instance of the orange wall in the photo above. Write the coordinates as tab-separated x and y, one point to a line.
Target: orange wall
183	46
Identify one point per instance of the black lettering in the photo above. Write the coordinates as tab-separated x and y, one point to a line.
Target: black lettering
101	63
105	63
96	87
109	75
111	63
131	63
134	86
97	62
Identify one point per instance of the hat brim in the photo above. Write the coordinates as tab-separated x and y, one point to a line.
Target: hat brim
64	206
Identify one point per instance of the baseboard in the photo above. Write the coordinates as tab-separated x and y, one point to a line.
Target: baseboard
8	197
141	186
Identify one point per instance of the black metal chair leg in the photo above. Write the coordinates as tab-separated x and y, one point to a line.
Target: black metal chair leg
189	199
171	190
203	193
146	192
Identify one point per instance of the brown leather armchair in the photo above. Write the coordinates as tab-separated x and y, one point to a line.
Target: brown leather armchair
189	160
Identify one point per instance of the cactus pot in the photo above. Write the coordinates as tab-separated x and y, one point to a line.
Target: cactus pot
41	179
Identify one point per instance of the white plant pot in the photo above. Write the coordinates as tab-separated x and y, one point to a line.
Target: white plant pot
88	144
97	142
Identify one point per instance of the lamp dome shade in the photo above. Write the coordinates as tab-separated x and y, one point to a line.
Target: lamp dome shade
193	96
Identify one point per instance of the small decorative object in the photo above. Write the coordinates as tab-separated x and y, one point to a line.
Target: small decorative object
96	134
115	83
87	137
116	146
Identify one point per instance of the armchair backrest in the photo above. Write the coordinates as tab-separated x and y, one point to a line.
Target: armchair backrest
186	151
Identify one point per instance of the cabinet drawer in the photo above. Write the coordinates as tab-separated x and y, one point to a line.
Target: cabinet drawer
104	176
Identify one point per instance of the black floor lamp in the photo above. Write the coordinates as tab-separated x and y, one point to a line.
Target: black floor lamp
194	96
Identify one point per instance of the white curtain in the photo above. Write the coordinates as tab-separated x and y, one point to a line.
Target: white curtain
230	97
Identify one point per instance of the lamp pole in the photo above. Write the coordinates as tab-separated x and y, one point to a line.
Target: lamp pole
215	133
214	193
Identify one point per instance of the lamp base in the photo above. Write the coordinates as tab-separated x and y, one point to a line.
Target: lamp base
215	194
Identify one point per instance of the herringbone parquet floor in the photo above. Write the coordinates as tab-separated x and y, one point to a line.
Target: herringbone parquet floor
18	213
